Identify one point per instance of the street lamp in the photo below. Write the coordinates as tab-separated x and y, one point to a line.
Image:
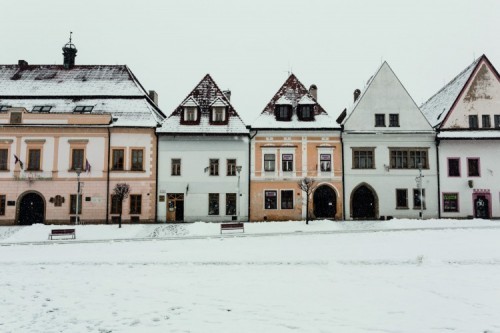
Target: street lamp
78	172
238	169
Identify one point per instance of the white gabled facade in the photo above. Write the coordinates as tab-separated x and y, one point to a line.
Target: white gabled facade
466	114
201	145
385	136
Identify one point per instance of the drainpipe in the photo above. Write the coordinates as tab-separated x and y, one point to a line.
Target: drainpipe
157	173
249	168
343	171
107	181
438	177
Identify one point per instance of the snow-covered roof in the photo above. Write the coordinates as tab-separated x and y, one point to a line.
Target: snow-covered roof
292	92
467	134
437	107
108	88
205	95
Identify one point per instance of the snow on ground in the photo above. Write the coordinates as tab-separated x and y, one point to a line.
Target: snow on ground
430	280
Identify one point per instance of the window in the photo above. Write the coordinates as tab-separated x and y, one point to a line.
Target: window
16	117
231	167
416	198
485	118
497	121
34	156
473	167
135	203
41	108
176	167
118	159
84	108
213	204
4	154
72	204
137	160
325	162
116	204
473	121
408	158
77	157
287	162
450	202
230	203
269	162
363	159
379	120
283	112
218	113
306	112
2	204
270	199
287	199
214	167
393	120
401	198
453	167
190	113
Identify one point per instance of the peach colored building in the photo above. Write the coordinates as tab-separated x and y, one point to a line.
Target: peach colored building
294	138
59	120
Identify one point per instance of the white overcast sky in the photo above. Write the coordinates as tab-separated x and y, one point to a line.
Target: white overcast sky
250	46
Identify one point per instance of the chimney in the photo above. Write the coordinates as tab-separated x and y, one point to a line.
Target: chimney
69	53
357	92
227	93
22	64
154	96
313	90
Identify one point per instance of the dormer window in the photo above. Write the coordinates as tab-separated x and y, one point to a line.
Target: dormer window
83	108
306	112
41	108
4	108
190	113
218	114
284	112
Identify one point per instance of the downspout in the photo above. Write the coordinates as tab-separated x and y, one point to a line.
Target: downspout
343	171
249	168
157	173
107	180
438	177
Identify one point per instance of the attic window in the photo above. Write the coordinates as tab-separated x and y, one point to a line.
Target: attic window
83	108
16	117
4	108
41	108
190	113
218	114
306	112
283	112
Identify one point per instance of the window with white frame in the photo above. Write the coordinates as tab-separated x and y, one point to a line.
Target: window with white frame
269	162
325	162
286	199
190	113
218	113
271	199
287	162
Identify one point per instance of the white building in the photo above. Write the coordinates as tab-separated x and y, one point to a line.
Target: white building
466	113
386	138
203	159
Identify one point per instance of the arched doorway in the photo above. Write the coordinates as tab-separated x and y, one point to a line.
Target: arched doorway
364	203
325	202
31	209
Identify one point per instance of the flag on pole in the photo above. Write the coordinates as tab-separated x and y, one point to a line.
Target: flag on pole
17	159
88	167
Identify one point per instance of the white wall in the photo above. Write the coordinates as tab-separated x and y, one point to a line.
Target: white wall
195	152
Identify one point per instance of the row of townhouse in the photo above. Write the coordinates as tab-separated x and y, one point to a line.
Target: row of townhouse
383	157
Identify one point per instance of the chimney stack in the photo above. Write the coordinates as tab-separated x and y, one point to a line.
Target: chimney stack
357	92
313	90
154	96
22	64
227	93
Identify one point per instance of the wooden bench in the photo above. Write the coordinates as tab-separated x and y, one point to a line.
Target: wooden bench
232	226
62	232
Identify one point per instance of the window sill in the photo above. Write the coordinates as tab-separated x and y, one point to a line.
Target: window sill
4	170
402	208
32	170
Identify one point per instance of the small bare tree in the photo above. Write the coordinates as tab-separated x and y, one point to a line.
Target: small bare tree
120	193
306	184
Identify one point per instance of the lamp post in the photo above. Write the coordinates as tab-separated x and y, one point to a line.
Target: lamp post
78	172
238	169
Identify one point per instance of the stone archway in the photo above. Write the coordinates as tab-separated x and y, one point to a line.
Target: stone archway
364	203
31	209
324	202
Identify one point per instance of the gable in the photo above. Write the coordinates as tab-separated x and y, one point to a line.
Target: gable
385	95
480	96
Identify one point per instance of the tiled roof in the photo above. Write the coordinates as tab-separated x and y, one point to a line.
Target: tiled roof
204	95
437	107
